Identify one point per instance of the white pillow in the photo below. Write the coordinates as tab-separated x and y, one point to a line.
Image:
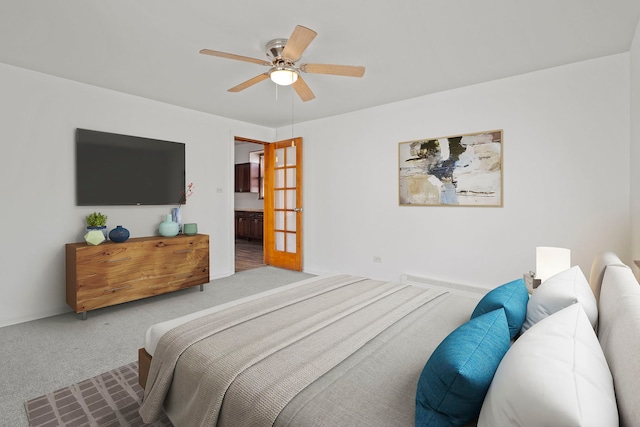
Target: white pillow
619	336
560	291
554	375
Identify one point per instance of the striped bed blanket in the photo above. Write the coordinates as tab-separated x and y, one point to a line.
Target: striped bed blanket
277	360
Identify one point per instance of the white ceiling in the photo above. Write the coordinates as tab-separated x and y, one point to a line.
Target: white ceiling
410	48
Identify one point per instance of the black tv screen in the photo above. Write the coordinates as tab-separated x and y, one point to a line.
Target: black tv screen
113	169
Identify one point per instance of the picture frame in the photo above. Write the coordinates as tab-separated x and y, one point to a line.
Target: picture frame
457	170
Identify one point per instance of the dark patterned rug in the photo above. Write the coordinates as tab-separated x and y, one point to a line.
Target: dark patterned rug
109	399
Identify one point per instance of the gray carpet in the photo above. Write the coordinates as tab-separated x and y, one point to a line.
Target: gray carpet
48	354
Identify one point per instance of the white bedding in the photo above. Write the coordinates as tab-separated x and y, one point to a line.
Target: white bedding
159	329
156	331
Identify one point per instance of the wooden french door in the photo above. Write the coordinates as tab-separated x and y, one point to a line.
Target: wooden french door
283	204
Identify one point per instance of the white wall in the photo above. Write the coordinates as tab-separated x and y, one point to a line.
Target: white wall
37	177
566	179
635	145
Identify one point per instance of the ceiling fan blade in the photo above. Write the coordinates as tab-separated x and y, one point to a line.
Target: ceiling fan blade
303	90
298	42
250	82
337	70
234	56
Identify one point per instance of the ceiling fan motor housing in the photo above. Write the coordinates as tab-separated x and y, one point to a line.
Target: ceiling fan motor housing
275	47
274	50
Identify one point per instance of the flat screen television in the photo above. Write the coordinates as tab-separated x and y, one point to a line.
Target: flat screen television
113	169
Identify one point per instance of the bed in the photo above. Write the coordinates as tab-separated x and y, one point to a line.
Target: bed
347	350
407	342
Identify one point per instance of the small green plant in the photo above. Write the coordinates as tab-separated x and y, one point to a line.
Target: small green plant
96	219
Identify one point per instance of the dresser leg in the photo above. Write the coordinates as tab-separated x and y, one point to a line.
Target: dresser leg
201	287
84	315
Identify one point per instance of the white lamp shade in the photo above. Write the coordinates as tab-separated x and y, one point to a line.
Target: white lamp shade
284	77
550	261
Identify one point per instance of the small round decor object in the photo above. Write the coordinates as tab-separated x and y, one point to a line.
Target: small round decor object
119	234
168	228
190	229
94	237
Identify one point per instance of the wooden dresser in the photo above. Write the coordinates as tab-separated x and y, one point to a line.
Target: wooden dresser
113	273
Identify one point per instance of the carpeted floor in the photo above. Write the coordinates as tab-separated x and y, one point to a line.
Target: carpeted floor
109	399
48	354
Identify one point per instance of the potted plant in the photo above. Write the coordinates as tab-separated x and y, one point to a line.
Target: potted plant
97	221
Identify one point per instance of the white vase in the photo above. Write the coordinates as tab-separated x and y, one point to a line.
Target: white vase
176	216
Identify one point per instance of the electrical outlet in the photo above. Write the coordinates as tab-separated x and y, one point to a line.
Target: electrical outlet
377	258
219	190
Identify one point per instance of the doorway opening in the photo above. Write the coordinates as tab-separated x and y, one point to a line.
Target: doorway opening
268	203
249	204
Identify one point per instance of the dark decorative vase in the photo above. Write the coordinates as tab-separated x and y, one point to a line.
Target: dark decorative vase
119	234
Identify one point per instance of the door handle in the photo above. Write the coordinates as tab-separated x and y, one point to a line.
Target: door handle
298	210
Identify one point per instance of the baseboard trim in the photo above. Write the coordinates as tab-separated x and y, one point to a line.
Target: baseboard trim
35	316
428	282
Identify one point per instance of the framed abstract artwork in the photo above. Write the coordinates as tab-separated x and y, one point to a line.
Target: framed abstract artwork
460	170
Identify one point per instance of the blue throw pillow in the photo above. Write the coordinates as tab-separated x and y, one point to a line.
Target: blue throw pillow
456	378
513	297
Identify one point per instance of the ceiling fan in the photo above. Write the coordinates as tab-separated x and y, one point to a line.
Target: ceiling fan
282	56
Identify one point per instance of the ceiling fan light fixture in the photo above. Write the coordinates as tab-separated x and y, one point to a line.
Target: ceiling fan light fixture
284	76
283	55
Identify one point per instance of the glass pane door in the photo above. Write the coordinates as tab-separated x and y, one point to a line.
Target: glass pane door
283	209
